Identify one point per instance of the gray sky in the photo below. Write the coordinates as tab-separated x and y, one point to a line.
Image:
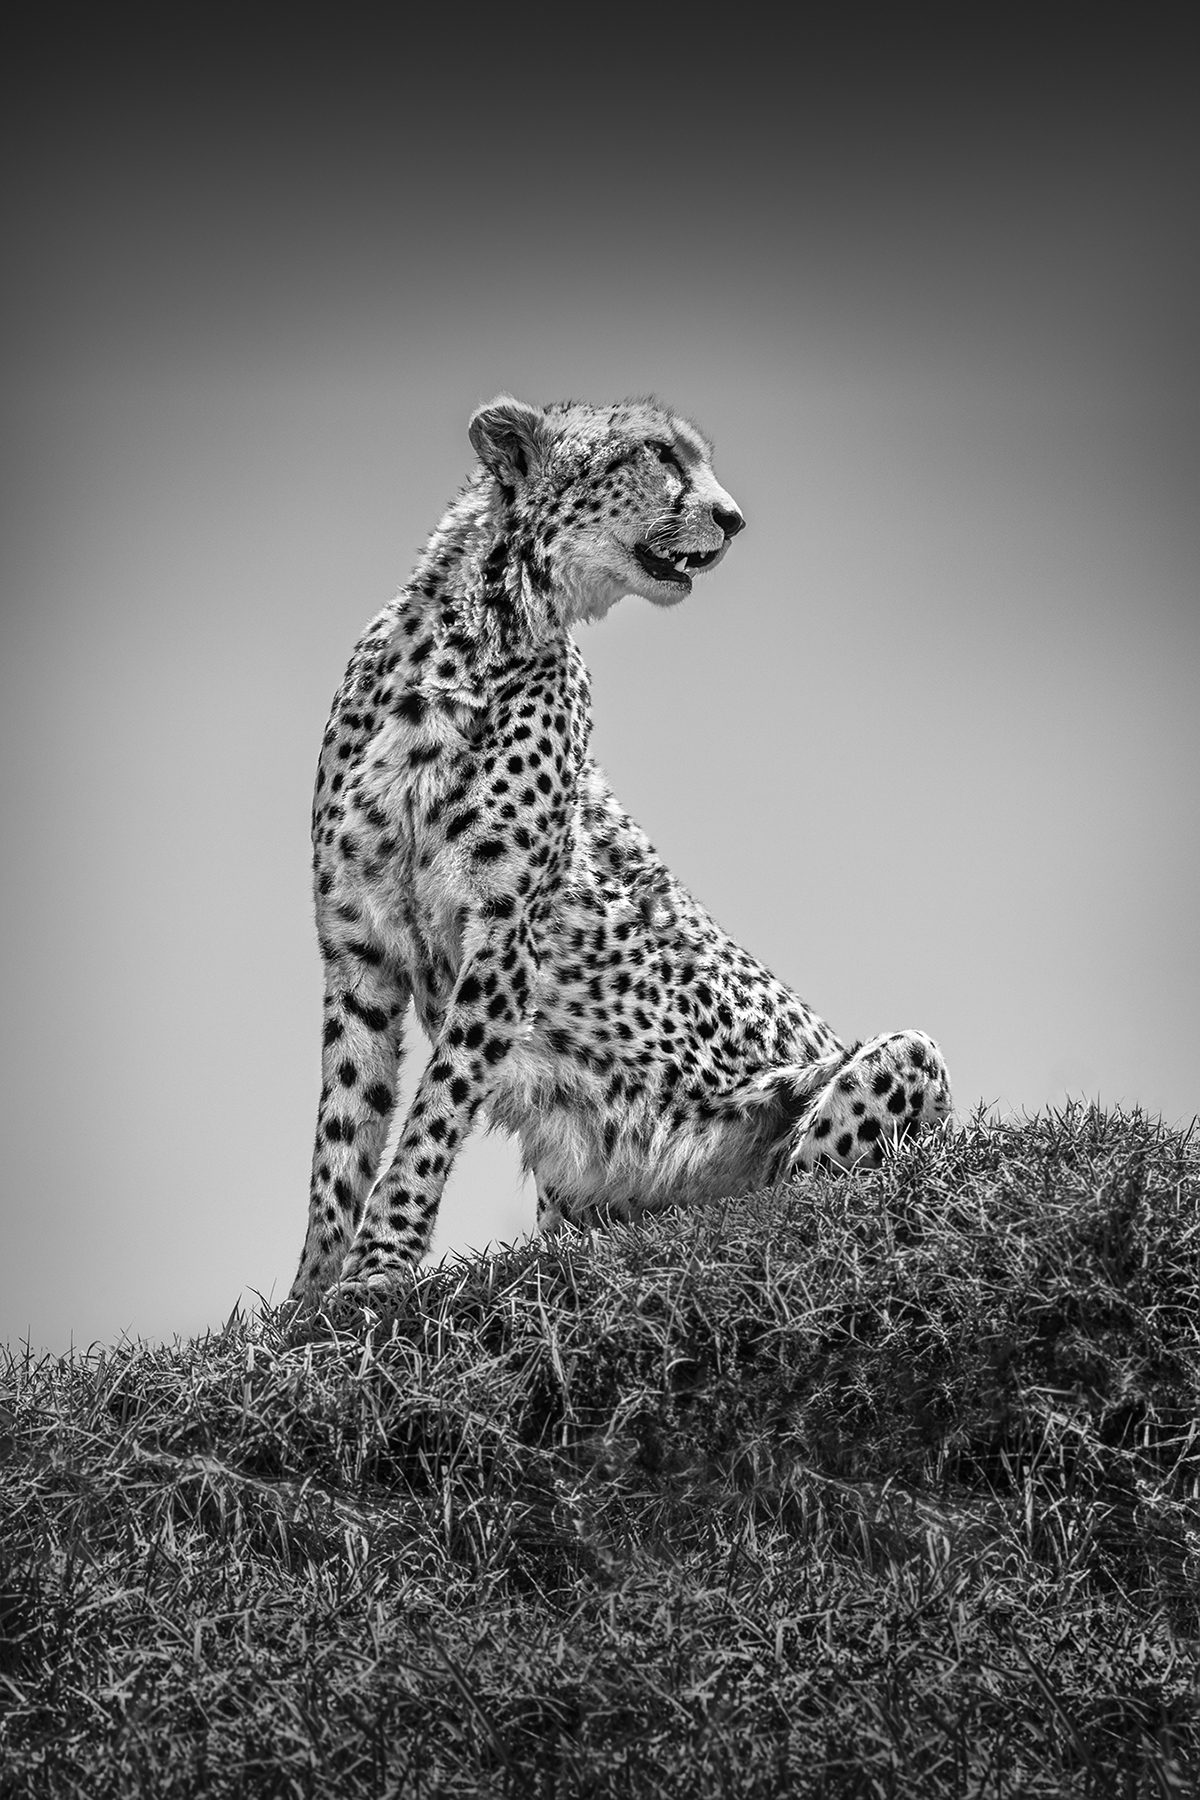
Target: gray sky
927	743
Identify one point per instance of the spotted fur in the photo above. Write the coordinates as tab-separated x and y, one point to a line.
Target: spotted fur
471	859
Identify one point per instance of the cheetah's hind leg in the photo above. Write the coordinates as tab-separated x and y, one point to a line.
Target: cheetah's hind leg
887	1088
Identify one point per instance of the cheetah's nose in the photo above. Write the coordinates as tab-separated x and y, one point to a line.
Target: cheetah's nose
728	519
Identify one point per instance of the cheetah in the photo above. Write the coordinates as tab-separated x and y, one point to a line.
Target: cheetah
471	859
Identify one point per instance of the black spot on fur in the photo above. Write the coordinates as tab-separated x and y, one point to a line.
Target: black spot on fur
373	1017
366	953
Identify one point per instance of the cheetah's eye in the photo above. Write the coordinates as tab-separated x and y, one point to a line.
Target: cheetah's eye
666	456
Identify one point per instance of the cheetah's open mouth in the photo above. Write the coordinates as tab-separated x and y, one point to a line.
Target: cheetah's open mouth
678	569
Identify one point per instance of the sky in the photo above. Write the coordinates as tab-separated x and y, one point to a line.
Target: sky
928	743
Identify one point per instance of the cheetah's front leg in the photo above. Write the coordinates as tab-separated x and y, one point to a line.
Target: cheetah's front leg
365	1003
490	1007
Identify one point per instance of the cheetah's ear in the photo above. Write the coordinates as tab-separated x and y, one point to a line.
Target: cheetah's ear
509	438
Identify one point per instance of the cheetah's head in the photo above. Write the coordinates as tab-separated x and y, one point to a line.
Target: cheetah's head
606	500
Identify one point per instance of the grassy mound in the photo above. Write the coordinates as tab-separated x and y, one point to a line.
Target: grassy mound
881	1486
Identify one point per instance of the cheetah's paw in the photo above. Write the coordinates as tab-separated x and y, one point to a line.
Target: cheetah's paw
366	1294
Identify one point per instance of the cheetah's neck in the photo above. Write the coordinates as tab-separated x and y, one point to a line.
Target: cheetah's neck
479	582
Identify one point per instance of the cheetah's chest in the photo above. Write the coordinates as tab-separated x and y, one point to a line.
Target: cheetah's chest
464	797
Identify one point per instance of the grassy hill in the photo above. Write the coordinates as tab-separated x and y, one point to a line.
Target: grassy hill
882	1486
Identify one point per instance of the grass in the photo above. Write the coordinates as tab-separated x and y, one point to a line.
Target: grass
882	1486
